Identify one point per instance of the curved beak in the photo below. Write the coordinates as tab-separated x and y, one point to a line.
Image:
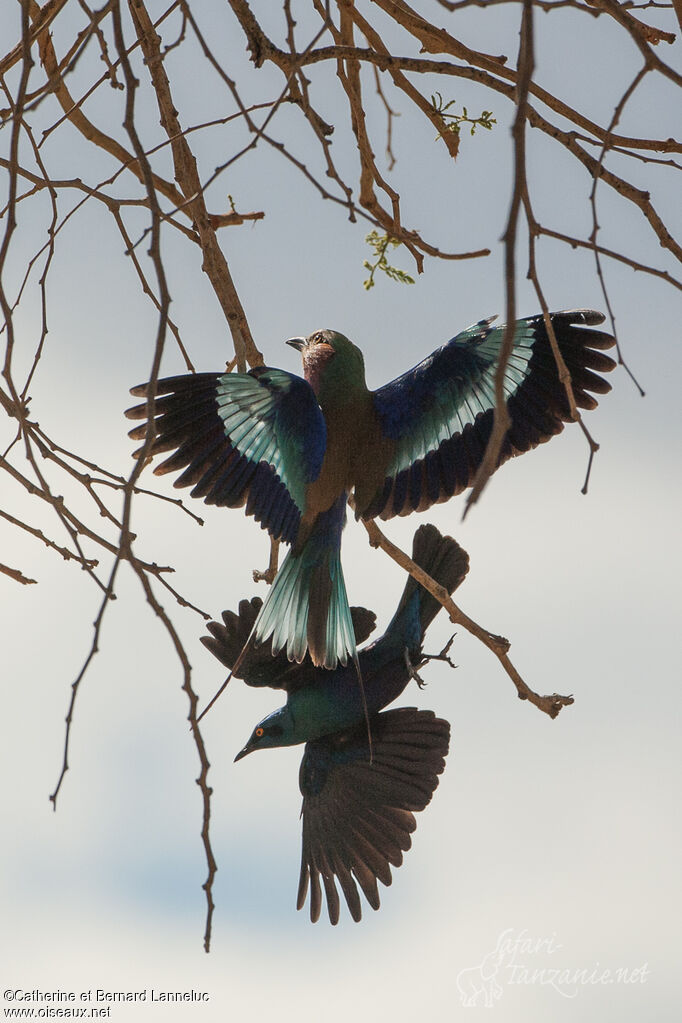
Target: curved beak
242	753
296	342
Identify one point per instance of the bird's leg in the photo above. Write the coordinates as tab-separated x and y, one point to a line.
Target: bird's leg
423	658
271	571
412	671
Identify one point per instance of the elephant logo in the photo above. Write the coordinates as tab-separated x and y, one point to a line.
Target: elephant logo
474	982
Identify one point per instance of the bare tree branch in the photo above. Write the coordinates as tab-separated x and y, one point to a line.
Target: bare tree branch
498	645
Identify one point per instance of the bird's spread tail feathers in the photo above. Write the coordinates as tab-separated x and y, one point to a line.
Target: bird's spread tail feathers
446	562
307	607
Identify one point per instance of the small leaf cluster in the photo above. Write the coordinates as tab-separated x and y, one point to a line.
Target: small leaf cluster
380	244
453	122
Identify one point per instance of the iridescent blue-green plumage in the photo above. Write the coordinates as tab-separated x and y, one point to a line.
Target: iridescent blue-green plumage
292	450
358	809
314	569
255	438
321	701
439	414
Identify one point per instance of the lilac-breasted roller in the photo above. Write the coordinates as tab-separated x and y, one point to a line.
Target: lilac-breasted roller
292	449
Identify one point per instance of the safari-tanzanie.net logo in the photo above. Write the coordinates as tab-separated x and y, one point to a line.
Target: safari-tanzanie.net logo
519	959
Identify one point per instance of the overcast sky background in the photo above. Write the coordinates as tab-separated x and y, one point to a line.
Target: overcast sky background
563	831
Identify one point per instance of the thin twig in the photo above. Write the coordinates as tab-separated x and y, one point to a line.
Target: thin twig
501	417
15	574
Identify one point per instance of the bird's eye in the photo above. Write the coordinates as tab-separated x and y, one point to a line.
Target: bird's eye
259	732
318	338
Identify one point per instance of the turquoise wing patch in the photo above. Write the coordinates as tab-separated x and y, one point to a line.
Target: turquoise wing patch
439	415
254	439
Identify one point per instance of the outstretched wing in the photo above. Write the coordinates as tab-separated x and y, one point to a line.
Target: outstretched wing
440	414
358	815
255	438
258	666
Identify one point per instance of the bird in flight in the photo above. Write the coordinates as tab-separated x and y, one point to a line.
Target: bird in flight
292	450
358	805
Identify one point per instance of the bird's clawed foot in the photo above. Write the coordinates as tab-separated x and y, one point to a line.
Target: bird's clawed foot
442	656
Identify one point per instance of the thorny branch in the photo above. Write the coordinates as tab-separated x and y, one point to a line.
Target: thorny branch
343	90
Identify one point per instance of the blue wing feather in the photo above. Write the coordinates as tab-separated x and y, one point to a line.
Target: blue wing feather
255	438
439	414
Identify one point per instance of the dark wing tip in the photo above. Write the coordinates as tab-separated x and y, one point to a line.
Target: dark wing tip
364	623
136	412
227	639
590	317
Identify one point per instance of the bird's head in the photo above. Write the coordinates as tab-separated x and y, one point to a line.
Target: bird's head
273	731
330	361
